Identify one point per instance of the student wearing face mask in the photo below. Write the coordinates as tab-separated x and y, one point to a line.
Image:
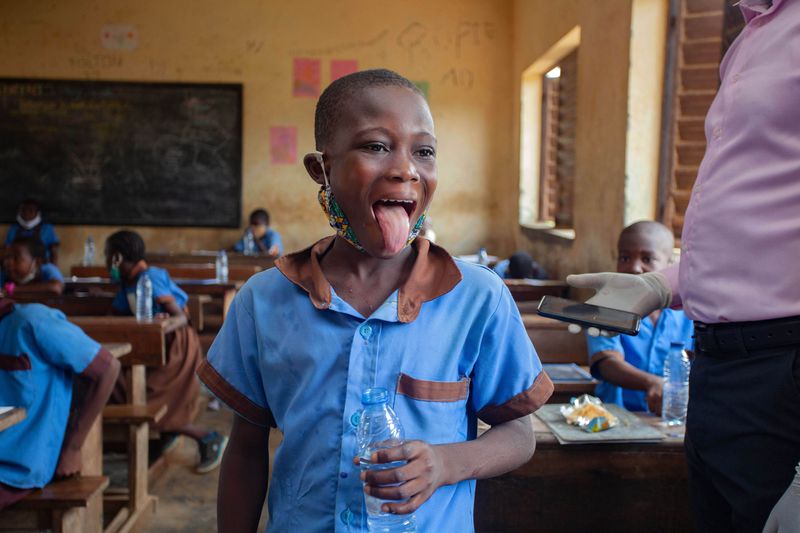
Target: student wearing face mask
29	224
25	269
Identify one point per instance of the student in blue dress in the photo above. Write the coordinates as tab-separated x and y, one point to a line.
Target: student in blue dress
29	224
174	383
25	269
631	368
266	240
372	306
40	355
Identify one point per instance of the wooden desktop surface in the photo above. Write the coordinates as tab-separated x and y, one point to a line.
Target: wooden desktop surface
589	487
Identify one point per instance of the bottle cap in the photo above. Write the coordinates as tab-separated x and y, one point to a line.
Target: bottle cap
374	396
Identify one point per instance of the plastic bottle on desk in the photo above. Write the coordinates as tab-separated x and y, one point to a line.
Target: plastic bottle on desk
88	252
483	257
144	298
222	266
675	397
379	427
249	243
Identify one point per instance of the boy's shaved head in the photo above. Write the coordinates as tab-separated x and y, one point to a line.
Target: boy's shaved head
335	96
658	234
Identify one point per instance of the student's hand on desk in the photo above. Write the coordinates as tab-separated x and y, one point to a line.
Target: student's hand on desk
423	473
654	397
69	463
785	516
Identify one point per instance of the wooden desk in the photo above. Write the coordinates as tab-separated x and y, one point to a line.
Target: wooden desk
145	344
526	290
71	304
201	271
564	390
209	256
588	487
226	290
12	417
553	342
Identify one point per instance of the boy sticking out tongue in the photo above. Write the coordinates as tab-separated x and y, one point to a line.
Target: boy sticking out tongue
371	307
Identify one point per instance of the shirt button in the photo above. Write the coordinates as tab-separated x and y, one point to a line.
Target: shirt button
717	132
737	77
355	418
346	517
343	475
366	331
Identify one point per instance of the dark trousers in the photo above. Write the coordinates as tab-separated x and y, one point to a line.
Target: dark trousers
742	432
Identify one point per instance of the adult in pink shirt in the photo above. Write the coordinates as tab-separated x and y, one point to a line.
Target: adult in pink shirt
739	279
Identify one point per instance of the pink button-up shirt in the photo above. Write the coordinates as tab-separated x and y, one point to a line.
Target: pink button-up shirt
740	257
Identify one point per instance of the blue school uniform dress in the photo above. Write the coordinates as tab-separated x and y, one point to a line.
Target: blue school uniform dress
46	233
40	351
271	238
449	346
646	351
163	287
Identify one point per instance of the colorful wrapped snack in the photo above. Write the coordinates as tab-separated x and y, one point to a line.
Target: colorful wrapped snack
587	412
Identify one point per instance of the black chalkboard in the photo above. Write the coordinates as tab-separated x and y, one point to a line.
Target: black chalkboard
119	153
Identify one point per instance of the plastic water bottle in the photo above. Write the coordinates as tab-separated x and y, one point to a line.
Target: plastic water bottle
144	298
249	243
222	266
378	428
483	257
88	252
675	397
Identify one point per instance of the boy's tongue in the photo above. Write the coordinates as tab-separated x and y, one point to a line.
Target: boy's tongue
394	224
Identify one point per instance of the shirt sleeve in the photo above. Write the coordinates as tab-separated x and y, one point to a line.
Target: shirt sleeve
50	272
120	303
671	273
12	233
597	345
508	381
62	343
239	246
501	268
49	237
232	371
275	240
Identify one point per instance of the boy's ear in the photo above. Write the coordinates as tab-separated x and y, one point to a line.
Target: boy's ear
313	163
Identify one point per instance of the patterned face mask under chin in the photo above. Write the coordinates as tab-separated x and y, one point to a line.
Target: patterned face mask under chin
338	220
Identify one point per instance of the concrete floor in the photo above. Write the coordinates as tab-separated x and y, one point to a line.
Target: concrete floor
187	502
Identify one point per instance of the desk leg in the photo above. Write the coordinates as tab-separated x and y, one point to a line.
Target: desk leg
227	300
138	444
137	385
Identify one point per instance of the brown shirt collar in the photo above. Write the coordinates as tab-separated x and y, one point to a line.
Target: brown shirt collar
433	274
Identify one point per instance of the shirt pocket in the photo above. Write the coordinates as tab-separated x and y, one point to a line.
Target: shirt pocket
433	411
16	381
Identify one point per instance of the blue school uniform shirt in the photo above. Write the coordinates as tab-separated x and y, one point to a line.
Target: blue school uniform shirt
163	287
449	346
40	351
646	351
271	238
46	232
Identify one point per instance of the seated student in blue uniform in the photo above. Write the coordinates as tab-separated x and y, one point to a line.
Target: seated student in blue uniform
175	383
40	353
372	306
520	266
631	368
29	224
25	269
265	239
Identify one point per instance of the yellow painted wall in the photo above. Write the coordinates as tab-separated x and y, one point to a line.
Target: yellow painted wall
603	62
461	47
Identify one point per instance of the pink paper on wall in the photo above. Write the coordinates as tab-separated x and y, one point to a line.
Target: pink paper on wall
283	145
306	79
343	67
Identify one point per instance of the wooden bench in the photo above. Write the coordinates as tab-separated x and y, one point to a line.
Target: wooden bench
128	505
196	305
73	505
